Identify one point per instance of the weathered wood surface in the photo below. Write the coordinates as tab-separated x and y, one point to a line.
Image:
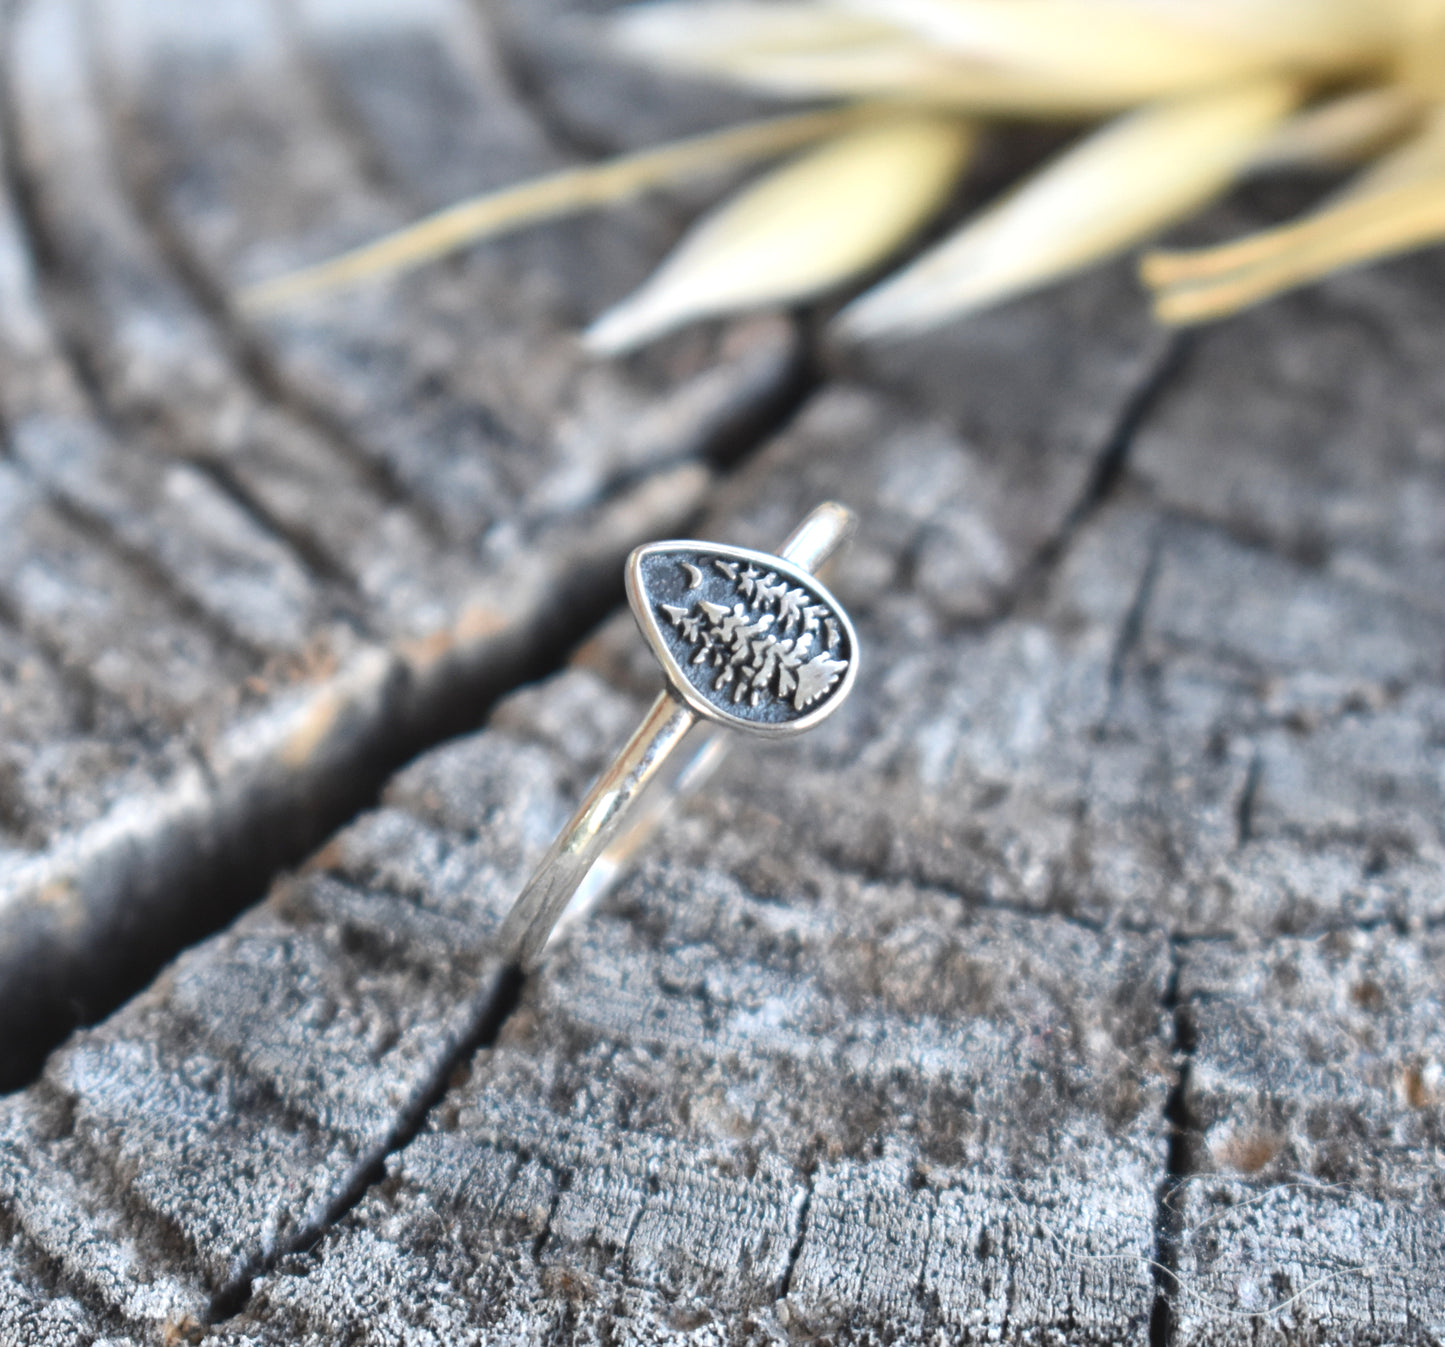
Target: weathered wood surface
244	573
1079	982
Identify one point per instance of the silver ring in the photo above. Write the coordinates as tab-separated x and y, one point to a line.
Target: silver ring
748	641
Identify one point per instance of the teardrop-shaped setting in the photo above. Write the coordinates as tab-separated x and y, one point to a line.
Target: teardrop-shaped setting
747	639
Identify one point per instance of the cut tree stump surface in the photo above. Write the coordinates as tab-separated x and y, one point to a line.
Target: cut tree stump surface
1079	982
245	572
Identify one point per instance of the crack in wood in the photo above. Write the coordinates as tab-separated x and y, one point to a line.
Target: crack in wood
1178	1165
1131	629
803	1206
1110	464
494	1008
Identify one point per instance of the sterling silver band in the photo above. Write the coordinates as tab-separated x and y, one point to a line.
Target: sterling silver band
752	641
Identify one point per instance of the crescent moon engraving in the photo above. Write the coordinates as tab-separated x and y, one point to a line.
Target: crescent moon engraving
694	575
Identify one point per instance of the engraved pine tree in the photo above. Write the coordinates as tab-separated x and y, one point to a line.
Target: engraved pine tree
775	641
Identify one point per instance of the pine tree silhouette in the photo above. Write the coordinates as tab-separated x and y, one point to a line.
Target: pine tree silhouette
778	643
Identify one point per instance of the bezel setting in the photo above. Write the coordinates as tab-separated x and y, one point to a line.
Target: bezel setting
746	639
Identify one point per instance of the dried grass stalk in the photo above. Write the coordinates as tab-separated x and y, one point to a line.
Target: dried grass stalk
805	228
1199	92
1137	175
568	192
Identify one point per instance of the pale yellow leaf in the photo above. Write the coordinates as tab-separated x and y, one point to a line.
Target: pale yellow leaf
907	70
1418	14
1121	184
1342	130
1418	159
563	193
1390	207
1139	49
1136	51
1355	230
811	51
1032	58
1421	63
710	34
1315	35
806	227
801	51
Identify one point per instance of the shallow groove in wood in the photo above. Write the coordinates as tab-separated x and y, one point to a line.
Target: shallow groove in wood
144	568
251	360
427	683
73	322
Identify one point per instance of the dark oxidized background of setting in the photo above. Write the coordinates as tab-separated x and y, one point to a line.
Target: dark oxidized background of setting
758	640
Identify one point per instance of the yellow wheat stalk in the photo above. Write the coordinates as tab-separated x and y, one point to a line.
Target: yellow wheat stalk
1178	100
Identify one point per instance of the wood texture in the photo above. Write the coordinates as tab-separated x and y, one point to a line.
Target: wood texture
246	571
1078	982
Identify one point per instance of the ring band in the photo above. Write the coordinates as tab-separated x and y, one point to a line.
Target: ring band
748	640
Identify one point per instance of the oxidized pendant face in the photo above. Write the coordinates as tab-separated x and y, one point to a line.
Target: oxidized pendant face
746	638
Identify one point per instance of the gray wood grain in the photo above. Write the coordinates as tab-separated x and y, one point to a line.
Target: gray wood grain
1078	982
1315	1092
245	571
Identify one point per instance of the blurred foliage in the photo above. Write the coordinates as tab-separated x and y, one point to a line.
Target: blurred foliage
1181	98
